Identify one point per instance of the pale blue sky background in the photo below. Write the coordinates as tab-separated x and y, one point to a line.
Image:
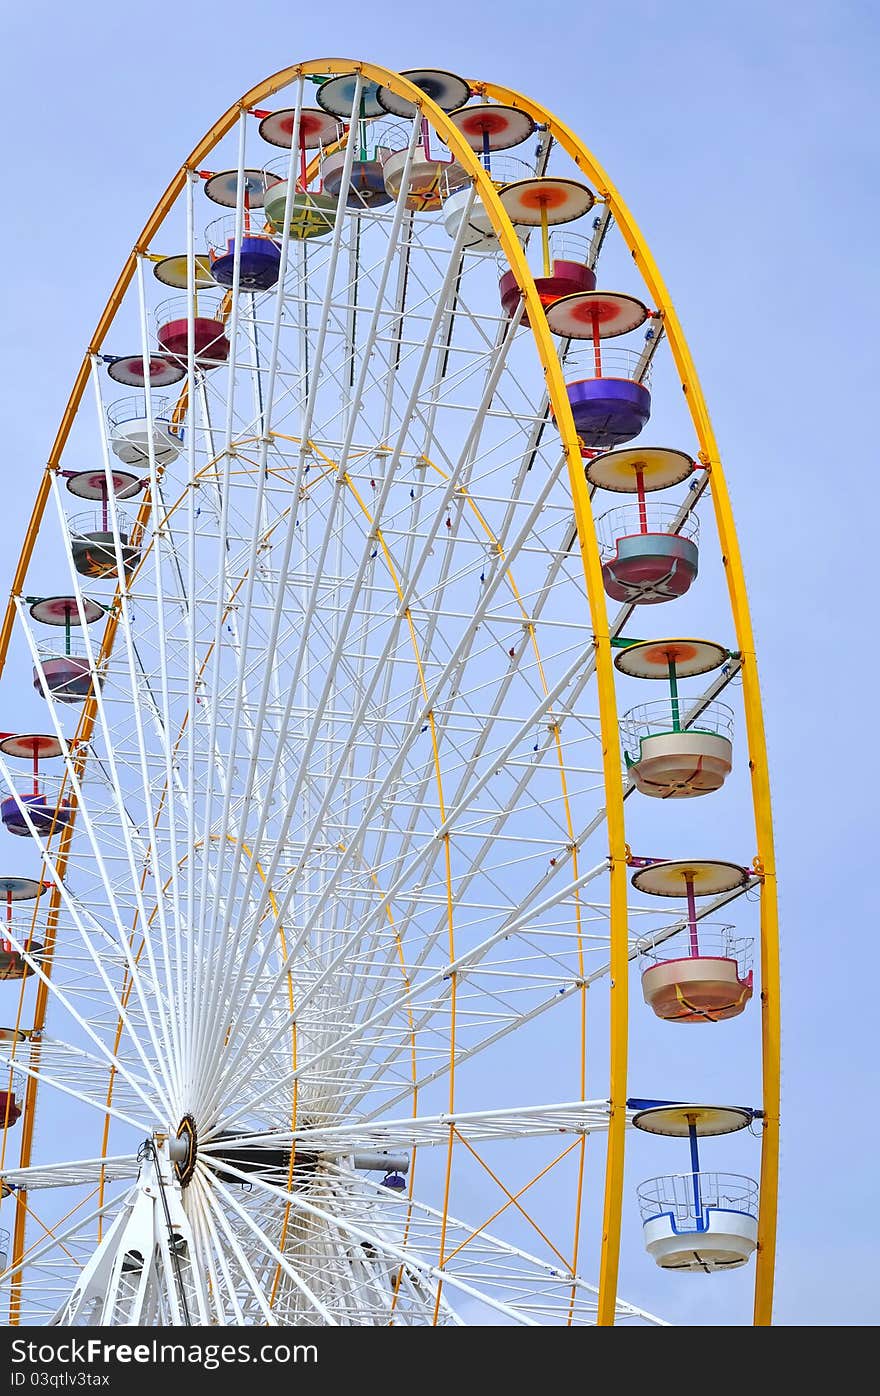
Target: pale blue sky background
744	138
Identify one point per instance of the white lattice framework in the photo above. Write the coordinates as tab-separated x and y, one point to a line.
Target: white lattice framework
337	869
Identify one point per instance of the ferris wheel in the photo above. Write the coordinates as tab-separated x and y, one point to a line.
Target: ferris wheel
318	772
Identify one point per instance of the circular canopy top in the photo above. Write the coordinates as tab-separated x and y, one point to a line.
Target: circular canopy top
316	128
223	188
29	745
658	466
499	128
676	1120
707	877
58	610
92	484
130	371
608	312
650	659
563	199
13	1035
448	90
20	889
337	96
172	271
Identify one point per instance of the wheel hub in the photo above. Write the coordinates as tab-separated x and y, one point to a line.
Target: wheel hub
183	1150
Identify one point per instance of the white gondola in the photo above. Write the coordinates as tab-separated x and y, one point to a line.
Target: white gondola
700	1221
458	205
130	432
697	1220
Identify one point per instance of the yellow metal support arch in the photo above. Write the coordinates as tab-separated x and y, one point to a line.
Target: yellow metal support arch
758	766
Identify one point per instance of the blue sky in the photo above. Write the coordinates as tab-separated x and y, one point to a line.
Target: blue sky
744	139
